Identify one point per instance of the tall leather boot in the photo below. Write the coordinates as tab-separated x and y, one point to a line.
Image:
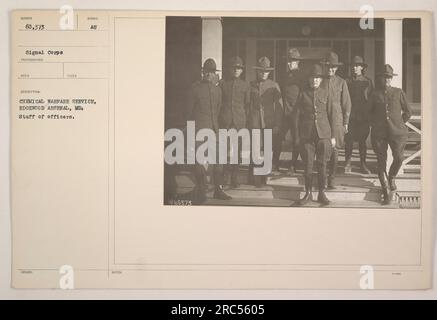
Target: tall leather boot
220	194
391	183
322	198
386	196
347	166
363	155
333	162
294	157
199	192
308	190
348	148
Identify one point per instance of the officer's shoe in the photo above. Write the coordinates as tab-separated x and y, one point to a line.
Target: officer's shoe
308	197
386	196
391	183
347	167
364	168
322	198
220	194
330	185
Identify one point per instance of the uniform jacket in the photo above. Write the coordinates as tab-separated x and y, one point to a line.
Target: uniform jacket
204	104
266	108
360	89
313	110
235	103
340	106
389	112
291	90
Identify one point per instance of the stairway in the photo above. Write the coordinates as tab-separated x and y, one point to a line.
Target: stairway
352	191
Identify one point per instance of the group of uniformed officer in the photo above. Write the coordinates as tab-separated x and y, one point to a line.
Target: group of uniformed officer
323	113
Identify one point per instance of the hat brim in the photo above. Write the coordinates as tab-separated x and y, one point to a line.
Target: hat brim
264	69
388	75
295	59
365	65
332	64
206	69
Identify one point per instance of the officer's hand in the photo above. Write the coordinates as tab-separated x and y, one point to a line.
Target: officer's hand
333	142
346	128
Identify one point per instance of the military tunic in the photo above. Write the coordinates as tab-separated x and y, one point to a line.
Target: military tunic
235	107
236	103
290	90
313	126
360	89
266	111
204	105
389	110
340	106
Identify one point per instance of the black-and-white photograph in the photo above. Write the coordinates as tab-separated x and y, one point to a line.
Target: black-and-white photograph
293	112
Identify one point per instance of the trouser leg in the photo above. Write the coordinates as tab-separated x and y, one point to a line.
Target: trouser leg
257	180
348	146
276	146
363	155
333	163
307	153
323	152
233	169
380	145
200	178
397	146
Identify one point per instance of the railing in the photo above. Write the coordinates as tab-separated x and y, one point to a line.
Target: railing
407	162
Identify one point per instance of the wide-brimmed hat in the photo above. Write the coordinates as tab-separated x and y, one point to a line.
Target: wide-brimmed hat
357	60
210	65
387	71
236	62
264	64
331	59
317	72
294	55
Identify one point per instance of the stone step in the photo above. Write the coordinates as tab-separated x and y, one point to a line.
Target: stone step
294	194
287	203
350	182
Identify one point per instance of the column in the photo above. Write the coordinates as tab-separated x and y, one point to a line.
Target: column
393	48
369	57
212	40
393	56
251	59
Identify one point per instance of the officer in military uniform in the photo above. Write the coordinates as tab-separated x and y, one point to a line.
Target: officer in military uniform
314	132
266	112
340	108
204	105
389	111
235	107
290	92
360	87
